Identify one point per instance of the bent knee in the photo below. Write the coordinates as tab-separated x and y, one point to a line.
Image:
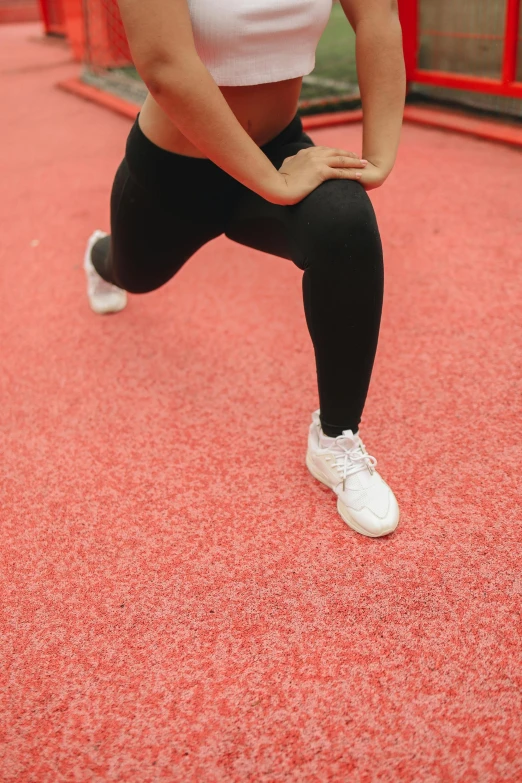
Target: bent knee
138	273
340	219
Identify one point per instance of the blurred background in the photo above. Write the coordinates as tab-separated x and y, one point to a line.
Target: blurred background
461	54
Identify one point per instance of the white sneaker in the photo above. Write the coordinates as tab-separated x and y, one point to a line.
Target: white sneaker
103	297
364	500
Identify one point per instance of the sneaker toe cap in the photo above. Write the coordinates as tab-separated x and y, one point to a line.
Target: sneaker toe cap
370	522
111	302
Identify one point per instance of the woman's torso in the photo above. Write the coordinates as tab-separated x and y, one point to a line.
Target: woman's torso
263	110
257	52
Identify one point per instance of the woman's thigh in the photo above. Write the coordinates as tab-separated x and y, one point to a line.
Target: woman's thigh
151	238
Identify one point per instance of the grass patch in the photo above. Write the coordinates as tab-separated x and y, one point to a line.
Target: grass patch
335	57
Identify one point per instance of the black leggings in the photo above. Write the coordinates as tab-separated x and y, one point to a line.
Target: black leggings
164	207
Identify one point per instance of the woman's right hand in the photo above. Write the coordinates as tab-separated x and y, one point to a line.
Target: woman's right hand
302	173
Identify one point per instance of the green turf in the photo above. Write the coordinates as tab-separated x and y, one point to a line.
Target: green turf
335	58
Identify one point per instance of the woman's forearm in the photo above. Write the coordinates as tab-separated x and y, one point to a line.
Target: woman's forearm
382	82
190	97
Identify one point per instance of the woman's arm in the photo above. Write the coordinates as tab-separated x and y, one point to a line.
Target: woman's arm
162	46
382	82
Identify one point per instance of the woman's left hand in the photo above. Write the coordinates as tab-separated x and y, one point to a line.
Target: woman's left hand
373	176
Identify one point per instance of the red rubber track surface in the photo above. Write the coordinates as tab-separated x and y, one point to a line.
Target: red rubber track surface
180	600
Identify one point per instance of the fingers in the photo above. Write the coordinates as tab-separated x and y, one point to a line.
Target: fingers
330	172
342	161
335	158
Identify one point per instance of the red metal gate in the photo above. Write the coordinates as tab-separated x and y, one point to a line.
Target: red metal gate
472	46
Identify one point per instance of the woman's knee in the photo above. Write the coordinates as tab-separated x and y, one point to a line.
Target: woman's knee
340	223
135	280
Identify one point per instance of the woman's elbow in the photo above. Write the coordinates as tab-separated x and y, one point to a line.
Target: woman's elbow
156	72
165	75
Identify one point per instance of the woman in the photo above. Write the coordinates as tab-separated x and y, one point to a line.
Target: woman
218	149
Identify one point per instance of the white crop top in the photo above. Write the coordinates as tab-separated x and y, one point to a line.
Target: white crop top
246	42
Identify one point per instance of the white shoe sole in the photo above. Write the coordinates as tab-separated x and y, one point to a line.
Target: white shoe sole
341	508
106	309
100	309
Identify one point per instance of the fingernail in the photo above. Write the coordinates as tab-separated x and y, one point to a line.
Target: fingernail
363	161
358	175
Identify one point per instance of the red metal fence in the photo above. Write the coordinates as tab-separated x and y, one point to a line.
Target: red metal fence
473	46
53	16
106	42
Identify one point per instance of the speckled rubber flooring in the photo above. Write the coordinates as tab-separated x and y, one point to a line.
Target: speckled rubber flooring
180	601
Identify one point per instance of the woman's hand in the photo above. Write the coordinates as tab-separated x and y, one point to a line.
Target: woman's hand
304	172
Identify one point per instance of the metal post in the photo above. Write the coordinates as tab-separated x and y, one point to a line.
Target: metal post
44	8
509	61
409	16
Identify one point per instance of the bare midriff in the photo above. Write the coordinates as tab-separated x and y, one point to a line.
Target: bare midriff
263	110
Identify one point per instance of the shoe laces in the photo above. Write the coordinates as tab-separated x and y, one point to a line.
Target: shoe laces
348	455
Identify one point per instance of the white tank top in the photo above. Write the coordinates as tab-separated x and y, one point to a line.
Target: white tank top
246	42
